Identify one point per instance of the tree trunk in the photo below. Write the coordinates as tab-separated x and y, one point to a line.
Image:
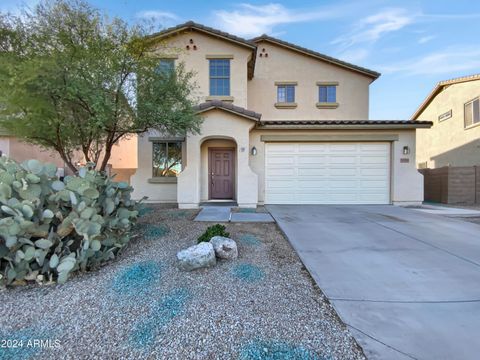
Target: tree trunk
108	153
67	161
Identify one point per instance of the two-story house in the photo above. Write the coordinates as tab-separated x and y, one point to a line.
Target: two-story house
454	139
281	125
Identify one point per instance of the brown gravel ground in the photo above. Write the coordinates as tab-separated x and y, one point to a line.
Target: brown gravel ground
264	305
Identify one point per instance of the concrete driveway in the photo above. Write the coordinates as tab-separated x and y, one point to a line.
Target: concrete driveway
406	283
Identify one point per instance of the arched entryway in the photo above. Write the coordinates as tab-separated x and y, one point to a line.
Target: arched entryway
218	170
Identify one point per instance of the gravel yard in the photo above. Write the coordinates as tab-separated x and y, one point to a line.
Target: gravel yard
264	305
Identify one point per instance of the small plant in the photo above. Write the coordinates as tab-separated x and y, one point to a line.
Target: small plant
214	230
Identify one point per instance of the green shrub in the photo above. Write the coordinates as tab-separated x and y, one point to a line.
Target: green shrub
52	228
214	230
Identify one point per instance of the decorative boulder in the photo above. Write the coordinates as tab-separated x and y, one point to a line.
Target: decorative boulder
224	247
196	257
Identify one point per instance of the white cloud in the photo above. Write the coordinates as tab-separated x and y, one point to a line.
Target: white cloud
373	27
354	55
156	15
425	39
454	59
251	20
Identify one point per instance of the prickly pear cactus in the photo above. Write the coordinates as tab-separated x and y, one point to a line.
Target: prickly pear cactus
50	228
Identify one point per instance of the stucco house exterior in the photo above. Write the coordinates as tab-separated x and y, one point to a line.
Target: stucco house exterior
123	161
454	139
281	125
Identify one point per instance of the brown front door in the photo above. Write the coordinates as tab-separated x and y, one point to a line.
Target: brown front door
220	173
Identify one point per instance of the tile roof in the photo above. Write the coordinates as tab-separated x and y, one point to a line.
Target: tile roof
218	104
368	72
193	25
365	123
439	87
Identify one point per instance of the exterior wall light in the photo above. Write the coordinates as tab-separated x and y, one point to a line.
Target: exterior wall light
406	150
254	151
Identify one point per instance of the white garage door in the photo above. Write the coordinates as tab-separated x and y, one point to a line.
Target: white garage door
327	173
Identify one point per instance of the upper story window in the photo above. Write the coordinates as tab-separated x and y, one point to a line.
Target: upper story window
219	77
286	93
167	158
327	95
472	112
166	66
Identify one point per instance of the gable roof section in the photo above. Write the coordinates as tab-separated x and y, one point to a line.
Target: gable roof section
370	73
439	88
237	110
190	25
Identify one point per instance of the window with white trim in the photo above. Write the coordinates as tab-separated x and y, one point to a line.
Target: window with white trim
167	158
472	112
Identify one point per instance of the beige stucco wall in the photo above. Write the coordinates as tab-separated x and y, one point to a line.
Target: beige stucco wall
195	60
286	65
156	192
225	126
448	142
124	154
406	181
21	151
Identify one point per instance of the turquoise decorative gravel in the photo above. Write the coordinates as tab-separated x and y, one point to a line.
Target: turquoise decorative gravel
155	231
179	214
276	350
137	278
249	239
163	311
248	272
145	211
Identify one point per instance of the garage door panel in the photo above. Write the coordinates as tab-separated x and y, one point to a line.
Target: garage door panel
281	171
280	160
370	159
311	171
327	173
342	171
311	148
342	148
320	184
311	159
379	171
282	149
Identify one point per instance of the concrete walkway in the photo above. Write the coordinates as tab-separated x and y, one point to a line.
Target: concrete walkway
448	211
406	283
225	214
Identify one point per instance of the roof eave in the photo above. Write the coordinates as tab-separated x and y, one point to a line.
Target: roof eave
367	72
190	25
227	110
384	126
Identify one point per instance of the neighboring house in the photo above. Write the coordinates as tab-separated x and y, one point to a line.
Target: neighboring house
448	154
281	125
454	139
123	161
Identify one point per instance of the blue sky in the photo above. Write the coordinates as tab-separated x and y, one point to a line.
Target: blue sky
414	44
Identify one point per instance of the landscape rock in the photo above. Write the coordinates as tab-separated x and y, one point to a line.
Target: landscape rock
196	257
225	248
